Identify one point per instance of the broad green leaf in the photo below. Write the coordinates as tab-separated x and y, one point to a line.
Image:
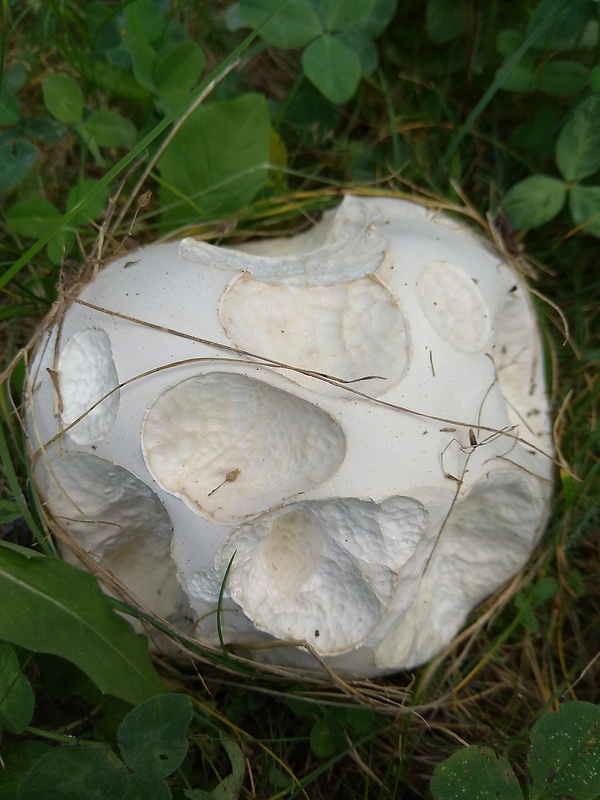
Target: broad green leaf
16	695
18	758
91	209
143	57
49	606
110	129
9	511
63	98
326	738
9	107
568	20
562	78
584	203
340	15
179	69
296	24
534	201
379	17
231	786
216	162
152	736
32	217
73	772
332	67
59	247
446	19
565	753
475	774
364	48
144	19
139	789
15	160
578	143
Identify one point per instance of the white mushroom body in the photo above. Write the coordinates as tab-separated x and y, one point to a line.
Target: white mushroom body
347	432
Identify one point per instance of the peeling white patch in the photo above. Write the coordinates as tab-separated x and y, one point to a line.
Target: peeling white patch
232	446
86	373
454	306
348	330
322	571
342	247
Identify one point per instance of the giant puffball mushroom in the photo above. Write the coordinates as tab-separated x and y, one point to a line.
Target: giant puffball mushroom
340	438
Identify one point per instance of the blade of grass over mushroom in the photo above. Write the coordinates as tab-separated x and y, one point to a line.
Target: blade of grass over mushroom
133	154
49	606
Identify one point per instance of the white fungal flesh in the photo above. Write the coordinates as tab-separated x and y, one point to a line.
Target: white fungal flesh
86	373
454	306
349	330
323	572
365	513
116	518
231	446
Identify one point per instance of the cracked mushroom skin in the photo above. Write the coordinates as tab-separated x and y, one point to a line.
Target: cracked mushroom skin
343	437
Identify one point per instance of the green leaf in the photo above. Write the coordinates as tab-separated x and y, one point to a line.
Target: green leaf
32	217
144	19
326	738
216	162
364	48
340	15
296	24
16	158
584	203
565	753
578	143
143	57
9	107
152	736
90	209
231	786
595	79
63	98
73	772
568	19
534	201
332	67
139	789
446	20
179	69
16	695
475	774
9	511
379	17
49	606
18	758
110	129
562	78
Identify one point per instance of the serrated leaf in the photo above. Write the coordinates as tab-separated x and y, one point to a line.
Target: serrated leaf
49	606
63	98
534	201
216	162
578	143
179	69
565	753
152	736
475	774
584	203
562	77
32	217
16	695
72	772
110	129
332	67
16	158
295	24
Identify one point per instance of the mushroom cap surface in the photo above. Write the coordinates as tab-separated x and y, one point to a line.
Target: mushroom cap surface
341	438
